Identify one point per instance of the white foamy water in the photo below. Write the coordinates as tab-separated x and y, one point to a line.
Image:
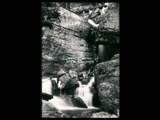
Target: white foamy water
62	105
83	91
58	102
47	86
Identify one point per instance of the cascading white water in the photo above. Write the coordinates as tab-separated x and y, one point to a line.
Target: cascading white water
59	102
47	86
83	91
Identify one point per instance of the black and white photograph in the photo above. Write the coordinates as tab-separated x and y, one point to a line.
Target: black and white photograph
80	63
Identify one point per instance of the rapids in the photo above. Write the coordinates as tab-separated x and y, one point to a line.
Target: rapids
83	91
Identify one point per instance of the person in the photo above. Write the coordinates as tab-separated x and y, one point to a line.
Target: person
105	8
103	11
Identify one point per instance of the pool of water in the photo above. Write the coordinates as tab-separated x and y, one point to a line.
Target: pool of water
81	112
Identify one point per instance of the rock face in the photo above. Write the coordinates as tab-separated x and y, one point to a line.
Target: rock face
107	83
62	47
78	102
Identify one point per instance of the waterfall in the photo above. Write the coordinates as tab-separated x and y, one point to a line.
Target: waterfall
60	86
83	91
47	86
102	52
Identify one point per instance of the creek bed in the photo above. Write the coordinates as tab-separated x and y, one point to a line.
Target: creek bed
72	112
81	112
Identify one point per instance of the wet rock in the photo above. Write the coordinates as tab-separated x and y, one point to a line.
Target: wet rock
78	102
103	115
46	96
107	84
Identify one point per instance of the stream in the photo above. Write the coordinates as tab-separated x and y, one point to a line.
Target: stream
67	107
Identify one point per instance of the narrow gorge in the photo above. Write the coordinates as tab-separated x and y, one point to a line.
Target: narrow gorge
80	60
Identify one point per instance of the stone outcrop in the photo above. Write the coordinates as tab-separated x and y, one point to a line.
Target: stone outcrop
63	47
107	83
78	102
71	86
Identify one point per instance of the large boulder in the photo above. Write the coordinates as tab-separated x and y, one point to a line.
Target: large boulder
46	96
71	86
63	47
107	84
78	102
